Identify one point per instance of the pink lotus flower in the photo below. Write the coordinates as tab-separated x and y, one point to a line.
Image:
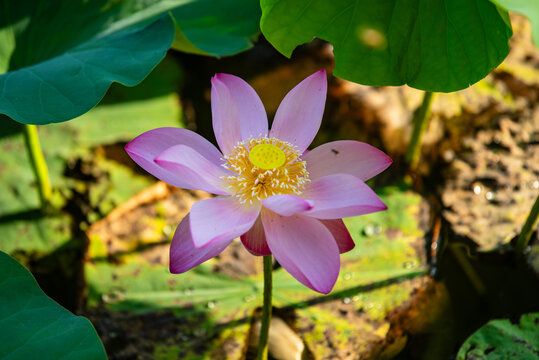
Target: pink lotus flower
280	198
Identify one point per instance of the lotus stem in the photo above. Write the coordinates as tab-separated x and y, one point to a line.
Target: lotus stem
266	310
421	117
39	166
527	230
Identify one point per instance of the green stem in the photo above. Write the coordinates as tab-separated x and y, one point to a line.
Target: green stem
266	310
527	229
421	117
39	165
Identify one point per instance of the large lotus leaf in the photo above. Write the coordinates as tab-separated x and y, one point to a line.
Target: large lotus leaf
436	45
61	56
528	8
33	325
503	339
216	28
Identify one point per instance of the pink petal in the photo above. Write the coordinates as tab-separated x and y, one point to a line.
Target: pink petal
184	255
305	248
340	234
144	148
237	112
221	218
346	157
341	195
254	240
193	169
299	116
286	205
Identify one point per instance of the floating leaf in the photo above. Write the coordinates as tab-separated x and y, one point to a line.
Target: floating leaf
375	277
32	324
502	339
123	114
31	231
438	45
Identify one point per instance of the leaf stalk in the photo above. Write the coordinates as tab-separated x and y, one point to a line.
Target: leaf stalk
527	230
421	117
39	166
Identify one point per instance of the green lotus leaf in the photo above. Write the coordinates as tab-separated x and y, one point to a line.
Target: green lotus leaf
33	325
503	339
437	45
216	28
59	57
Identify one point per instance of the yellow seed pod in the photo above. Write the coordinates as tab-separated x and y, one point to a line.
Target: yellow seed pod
267	156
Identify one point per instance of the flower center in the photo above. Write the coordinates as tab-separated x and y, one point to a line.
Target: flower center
265	167
267	156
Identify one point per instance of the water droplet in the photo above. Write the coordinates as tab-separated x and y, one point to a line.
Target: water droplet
347	276
167	230
188	291
409	264
210	304
477	189
448	155
377	229
535	184
114	296
490	195
346	300
368	230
